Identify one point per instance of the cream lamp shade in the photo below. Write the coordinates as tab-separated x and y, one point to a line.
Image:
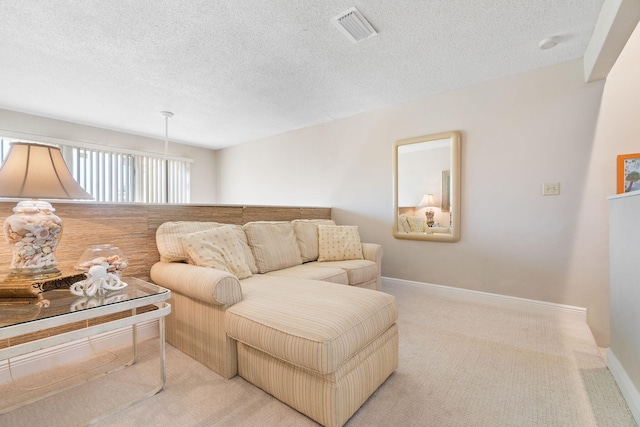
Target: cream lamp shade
38	171
33	171
427	201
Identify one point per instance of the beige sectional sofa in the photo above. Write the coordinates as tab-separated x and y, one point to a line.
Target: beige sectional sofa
292	307
418	225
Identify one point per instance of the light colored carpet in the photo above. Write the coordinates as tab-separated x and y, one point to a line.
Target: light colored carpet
460	365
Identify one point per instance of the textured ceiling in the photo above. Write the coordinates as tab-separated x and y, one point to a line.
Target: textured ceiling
233	71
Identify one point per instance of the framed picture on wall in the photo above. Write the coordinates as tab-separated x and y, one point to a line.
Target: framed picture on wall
446	191
628	173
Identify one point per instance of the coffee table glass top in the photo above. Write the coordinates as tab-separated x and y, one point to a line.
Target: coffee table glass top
59	302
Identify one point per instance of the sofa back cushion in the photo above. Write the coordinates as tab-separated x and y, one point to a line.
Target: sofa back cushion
172	249
403	224
273	244
306	231
339	243
244	244
217	248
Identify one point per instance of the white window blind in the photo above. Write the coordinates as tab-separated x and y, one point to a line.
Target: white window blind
151	181
113	176
107	176
179	181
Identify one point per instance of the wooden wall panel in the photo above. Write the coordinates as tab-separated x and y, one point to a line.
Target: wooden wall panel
124	226
163	213
282	213
132	227
315	213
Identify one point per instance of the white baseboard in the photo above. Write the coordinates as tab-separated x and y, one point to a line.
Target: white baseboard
628	389
52	357
559	311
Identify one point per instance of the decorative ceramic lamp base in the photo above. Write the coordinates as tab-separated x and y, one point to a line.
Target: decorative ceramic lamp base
33	232
429	214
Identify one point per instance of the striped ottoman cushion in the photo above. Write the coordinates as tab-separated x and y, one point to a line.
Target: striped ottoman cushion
317	326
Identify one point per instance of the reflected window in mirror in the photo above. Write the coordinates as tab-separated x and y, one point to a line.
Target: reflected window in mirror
427	187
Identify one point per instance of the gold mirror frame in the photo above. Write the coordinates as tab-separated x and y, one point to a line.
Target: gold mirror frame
437	234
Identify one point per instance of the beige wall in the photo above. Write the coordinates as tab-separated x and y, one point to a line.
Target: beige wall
202	187
517	133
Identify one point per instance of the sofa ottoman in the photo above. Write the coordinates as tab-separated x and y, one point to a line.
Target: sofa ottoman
323	350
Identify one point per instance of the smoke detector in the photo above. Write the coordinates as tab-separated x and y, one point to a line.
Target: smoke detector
549	43
353	25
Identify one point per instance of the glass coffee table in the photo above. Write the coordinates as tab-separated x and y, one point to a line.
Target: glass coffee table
60	317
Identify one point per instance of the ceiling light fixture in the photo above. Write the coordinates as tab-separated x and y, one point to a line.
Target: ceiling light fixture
548	43
354	25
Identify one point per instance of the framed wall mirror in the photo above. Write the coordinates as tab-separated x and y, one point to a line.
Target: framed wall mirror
427	187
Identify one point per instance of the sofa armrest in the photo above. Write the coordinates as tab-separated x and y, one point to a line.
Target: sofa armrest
372	252
205	284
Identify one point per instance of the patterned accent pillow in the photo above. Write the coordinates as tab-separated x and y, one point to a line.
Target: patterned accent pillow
417	224
217	248
171	248
168	238
273	244
307	236
339	243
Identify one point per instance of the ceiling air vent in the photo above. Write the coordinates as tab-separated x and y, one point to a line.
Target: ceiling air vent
353	25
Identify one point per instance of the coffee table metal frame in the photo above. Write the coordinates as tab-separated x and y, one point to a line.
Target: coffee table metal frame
138	294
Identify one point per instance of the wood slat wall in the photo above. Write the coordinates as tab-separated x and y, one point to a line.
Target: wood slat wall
132	227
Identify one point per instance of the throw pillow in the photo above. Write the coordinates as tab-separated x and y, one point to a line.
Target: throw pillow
168	238
273	244
417	224
217	248
306	231
171	248
339	243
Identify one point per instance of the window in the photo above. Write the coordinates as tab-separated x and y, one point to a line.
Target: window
112	175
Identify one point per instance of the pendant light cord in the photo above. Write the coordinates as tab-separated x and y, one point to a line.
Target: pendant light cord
166	115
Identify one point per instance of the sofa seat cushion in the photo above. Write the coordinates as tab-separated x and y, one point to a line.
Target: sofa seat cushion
316	327
312	272
358	270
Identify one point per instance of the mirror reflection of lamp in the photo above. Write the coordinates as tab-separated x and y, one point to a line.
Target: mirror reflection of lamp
429	203
33	171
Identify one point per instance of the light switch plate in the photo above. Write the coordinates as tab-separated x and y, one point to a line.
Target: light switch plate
551	189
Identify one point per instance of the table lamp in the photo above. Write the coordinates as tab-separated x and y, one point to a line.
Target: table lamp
33	231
